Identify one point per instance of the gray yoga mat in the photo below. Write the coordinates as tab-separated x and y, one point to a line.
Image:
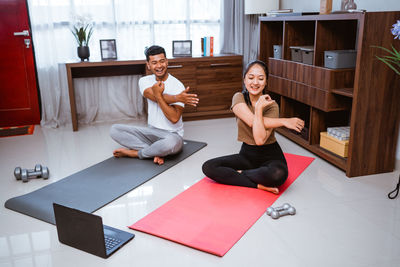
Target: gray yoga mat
94	187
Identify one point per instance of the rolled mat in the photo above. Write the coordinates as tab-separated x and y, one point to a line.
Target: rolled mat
96	186
212	217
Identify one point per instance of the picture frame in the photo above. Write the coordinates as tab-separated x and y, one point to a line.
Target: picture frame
108	49
182	48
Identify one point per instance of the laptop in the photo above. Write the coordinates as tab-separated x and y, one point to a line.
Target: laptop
85	231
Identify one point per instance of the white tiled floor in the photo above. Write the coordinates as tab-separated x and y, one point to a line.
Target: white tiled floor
339	221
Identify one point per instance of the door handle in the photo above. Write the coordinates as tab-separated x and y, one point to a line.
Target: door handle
23	33
220	64
175	66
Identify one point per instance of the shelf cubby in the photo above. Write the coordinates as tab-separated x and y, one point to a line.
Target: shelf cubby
270	35
297	33
334	35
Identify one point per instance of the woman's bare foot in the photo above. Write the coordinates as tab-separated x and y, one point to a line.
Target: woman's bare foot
159	160
124	152
273	190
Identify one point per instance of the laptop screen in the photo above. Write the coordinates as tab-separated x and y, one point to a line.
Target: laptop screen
80	230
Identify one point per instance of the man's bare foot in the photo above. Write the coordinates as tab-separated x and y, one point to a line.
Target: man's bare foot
273	190
159	160
125	152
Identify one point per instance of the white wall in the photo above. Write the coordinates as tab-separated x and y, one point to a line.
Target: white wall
369	5
313	5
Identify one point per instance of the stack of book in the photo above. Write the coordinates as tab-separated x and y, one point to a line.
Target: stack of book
207	46
288	12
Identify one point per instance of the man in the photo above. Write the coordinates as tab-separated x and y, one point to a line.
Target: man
165	96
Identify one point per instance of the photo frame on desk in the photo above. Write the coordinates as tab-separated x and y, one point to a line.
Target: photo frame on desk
182	48
108	49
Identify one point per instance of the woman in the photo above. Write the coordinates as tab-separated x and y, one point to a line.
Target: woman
260	162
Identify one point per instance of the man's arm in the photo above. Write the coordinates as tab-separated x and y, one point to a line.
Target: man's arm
184	97
172	112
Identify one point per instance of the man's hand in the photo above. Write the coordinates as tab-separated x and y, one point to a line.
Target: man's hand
158	89
188	99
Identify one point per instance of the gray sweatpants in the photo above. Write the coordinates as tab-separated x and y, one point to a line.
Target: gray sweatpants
148	141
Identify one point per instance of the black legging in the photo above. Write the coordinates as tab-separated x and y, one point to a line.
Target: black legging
265	165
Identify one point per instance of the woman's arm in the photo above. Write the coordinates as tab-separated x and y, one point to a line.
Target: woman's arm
243	112
260	132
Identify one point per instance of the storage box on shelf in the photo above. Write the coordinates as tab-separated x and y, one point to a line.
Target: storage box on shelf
340	59
334	145
361	97
278	51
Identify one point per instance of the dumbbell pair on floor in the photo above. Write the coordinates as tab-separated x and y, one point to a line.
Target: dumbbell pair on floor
283	210
25	174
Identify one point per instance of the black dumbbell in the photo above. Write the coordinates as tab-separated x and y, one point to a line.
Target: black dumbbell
25	174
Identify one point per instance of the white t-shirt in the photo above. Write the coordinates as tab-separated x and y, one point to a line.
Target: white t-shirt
156	117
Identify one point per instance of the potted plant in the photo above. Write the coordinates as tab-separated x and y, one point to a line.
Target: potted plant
392	60
82	31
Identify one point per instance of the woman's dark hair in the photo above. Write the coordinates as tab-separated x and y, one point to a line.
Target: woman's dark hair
154	50
251	64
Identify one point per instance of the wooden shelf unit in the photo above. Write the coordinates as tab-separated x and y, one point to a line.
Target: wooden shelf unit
366	98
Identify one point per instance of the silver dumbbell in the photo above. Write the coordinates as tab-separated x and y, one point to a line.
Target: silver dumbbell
38	172
280	208
277	214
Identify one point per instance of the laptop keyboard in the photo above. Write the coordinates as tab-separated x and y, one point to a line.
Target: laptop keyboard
111	242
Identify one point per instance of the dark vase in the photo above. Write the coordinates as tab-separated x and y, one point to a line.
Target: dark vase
83	52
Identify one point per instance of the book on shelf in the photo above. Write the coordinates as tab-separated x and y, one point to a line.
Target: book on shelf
282	11
207	46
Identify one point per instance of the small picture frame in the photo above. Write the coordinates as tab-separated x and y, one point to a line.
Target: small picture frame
182	48
108	49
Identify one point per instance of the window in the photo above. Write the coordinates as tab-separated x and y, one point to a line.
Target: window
134	24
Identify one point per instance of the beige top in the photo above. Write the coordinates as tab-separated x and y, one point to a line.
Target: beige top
245	132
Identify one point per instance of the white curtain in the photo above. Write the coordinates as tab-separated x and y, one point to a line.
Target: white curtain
239	31
134	24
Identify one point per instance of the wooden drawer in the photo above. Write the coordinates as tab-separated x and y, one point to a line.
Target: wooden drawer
315	97
217	81
319	77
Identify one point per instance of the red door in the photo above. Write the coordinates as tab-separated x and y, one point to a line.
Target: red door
19	103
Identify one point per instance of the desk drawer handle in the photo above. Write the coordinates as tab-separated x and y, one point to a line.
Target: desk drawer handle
220	64
175	67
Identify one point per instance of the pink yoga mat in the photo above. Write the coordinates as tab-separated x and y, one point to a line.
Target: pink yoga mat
212	217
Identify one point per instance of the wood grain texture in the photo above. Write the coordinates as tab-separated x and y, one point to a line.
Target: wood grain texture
376	97
365	98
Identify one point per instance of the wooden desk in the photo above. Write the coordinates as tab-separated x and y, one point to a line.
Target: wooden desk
214	79
98	69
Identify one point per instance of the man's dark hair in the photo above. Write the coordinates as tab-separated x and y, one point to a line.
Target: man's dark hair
154	50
